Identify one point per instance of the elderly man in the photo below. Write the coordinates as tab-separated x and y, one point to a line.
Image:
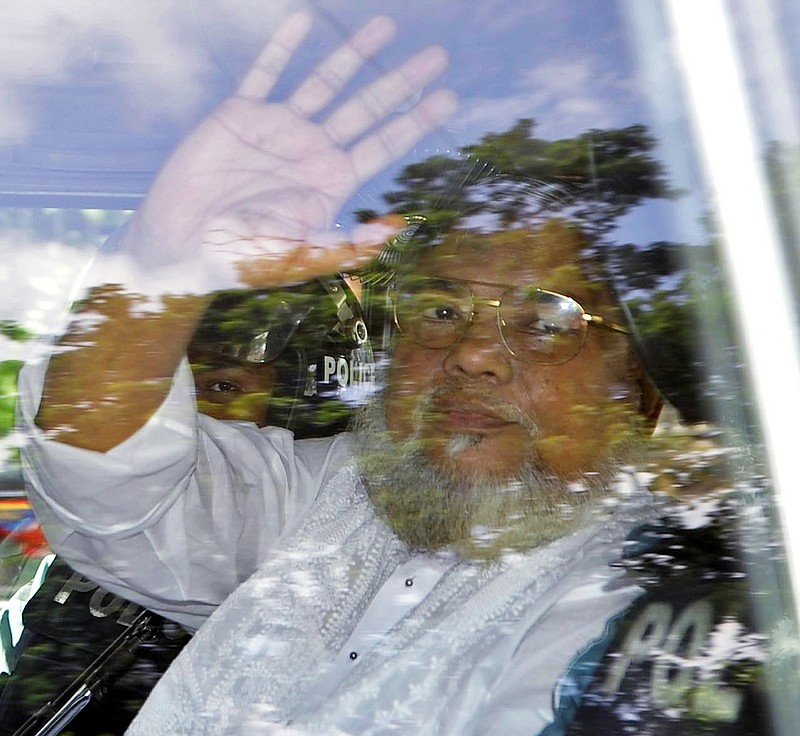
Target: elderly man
438	570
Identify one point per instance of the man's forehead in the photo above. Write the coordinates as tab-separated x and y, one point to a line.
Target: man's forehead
551	263
464	255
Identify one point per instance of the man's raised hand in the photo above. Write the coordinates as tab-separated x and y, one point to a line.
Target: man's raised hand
255	189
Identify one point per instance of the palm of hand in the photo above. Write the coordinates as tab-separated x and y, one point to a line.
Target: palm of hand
261	183
254	171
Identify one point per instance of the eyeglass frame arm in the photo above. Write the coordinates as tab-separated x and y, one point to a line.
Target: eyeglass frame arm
596	319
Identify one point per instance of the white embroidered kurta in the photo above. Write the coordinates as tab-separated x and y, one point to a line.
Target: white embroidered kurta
342	631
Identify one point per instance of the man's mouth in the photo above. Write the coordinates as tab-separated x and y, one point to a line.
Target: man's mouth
467	417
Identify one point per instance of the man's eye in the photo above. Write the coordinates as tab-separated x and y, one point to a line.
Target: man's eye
224	387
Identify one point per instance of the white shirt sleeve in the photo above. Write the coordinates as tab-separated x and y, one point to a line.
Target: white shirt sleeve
179	514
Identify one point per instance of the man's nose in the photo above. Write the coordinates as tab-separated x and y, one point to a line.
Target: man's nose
480	354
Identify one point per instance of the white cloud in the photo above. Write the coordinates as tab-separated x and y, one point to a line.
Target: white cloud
36	280
561	76
496	113
583	108
564	95
39	281
500	16
157	52
14	115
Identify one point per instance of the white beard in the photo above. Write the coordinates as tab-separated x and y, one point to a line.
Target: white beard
431	507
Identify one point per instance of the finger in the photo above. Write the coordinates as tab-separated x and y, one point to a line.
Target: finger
330	77
261	77
398	136
375	101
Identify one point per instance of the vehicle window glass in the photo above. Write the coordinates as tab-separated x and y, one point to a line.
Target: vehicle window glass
583	293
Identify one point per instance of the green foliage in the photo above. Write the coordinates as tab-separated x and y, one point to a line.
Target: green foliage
8	375
8	393
8	382
783	171
8	402
684	332
669	339
594	178
521	180
235	318
445	190
14	331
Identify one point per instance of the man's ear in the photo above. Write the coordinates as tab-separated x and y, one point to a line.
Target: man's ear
650	400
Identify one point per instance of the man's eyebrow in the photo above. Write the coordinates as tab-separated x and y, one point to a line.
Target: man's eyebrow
579	293
498	284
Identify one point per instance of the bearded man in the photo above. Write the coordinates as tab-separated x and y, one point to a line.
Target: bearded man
438	570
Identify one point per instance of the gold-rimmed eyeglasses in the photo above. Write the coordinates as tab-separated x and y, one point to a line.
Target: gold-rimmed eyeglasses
535	325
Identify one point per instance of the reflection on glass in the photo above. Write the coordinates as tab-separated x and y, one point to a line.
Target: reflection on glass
515	534
297	358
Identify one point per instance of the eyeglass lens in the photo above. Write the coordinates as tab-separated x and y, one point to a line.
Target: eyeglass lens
536	325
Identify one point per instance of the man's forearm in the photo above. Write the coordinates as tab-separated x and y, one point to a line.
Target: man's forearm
114	367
